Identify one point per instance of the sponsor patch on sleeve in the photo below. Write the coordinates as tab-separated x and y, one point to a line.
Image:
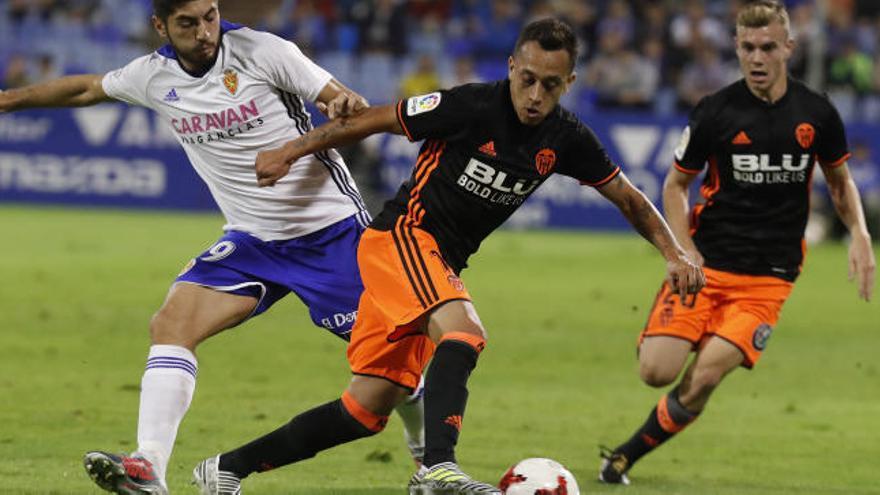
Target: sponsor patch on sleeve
422	104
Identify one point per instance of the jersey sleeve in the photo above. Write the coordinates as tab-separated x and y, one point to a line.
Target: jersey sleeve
129	84
832	148
436	115
287	68
695	145
586	160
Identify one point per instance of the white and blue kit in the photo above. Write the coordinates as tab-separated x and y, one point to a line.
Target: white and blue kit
300	235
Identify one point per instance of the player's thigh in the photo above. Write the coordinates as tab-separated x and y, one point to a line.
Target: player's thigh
661	359
377	395
191	313
458	315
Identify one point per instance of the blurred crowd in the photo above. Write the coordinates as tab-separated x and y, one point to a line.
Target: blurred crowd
651	56
654	55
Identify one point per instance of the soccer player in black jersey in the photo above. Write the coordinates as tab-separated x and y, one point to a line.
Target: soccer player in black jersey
761	137
487	148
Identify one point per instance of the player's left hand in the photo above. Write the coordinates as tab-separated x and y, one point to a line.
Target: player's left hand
685	277
272	165
345	104
862	265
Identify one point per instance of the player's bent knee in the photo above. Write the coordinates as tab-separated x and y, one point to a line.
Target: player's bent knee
370	420
657	376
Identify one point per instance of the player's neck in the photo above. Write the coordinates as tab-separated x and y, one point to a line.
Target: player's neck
774	93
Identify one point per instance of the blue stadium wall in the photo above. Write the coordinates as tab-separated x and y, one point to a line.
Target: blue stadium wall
118	156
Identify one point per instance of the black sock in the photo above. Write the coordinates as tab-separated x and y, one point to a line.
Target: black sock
445	399
666	419
303	437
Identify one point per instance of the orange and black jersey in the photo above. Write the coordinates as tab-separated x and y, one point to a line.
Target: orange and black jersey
761	158
478	164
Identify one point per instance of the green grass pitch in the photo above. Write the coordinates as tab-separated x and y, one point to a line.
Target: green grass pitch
557	379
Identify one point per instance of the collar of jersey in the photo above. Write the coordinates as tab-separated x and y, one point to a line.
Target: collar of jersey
167	51
780	101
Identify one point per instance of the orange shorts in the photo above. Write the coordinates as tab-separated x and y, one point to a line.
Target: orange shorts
404	276
741	309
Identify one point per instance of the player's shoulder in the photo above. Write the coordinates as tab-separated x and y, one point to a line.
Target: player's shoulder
734	94
480	94
806	95
243	38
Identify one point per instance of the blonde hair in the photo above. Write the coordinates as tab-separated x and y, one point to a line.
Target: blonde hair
761	13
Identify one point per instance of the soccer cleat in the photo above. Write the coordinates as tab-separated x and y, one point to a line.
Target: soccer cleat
447	479
210	480
124	475
613	468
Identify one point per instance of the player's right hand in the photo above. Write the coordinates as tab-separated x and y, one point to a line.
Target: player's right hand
685	276
345	104
272	165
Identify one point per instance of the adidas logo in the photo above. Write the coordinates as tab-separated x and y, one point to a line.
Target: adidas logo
742	138
454	421
488	149
172	95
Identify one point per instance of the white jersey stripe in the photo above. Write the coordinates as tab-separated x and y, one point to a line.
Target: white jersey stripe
297	111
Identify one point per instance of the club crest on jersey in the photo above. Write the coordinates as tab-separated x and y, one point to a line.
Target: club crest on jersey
761	336
805	134
422	104
230	80
544	161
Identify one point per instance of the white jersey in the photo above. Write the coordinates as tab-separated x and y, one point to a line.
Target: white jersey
250	100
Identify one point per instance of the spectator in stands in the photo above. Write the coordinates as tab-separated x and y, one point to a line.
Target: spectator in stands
691	28
381	26
706	74
618	18
620	76
852	70
462	73
494	37
16	74
584	19
424	79
306	22
47	69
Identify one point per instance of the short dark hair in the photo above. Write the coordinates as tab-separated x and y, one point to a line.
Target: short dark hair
551	34
164	8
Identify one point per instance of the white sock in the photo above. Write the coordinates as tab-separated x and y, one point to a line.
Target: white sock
166	393
412	412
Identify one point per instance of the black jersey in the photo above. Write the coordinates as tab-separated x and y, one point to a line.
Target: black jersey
478	164
761	158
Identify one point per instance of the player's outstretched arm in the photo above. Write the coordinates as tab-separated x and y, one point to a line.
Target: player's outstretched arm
676	208
683	274
274	164
70	91
848	204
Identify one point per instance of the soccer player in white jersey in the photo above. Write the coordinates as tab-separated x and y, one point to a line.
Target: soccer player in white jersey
228	92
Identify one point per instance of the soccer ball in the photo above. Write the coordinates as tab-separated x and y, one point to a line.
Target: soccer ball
538	476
